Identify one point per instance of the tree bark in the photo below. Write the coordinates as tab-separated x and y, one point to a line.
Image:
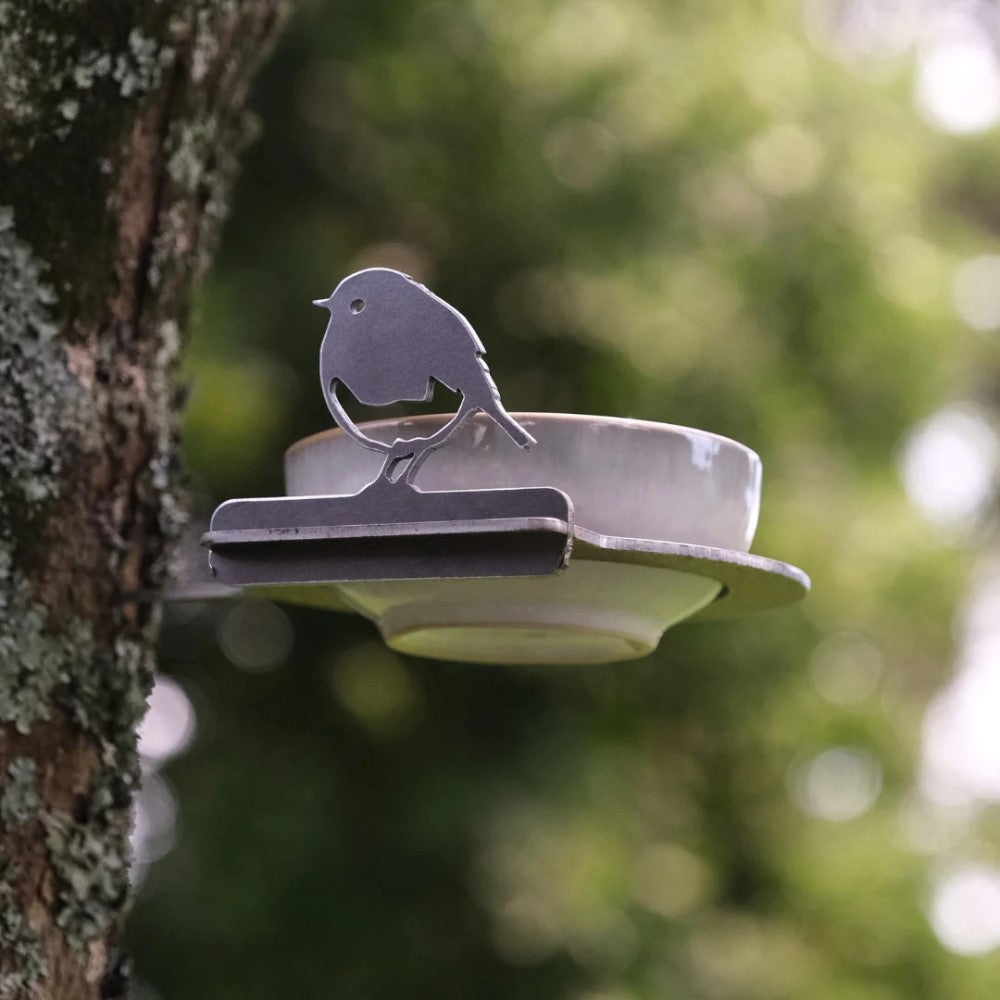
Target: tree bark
120	125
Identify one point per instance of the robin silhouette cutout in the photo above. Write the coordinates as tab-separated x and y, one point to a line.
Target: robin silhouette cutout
389	340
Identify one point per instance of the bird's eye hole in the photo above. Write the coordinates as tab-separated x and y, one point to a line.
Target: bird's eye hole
357	306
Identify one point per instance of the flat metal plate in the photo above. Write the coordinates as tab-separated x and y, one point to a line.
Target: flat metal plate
750	582
390	532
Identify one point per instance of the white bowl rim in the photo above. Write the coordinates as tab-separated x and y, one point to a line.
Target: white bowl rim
539	415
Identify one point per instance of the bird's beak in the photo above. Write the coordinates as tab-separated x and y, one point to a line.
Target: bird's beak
324	303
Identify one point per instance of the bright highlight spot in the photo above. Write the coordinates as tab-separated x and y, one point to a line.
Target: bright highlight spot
958	81
838	784
948	465
977	292
961	737
169	725
965	910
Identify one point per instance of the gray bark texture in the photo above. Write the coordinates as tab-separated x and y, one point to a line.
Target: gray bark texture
120	126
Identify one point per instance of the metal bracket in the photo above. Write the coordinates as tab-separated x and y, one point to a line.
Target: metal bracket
388	340
390	532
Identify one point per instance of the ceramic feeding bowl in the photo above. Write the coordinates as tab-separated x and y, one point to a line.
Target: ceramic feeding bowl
628	479
530	538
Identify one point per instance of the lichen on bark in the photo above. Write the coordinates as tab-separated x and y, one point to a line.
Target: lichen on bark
19	940
120	127
41	399
20	800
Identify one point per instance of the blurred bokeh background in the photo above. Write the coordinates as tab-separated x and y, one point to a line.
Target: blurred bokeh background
777	220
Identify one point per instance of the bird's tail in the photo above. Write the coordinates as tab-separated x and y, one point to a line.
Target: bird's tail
490	404
493	408
511	427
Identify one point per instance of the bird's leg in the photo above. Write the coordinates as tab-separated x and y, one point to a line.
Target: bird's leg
418	460
399	452
417	450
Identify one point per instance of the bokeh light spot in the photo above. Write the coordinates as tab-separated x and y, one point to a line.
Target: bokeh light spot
154	831
948	465
958	80
256	635
961	743
374	684
670	880
169	725
863	29
845	667
581	153
838	784
977	292
965	910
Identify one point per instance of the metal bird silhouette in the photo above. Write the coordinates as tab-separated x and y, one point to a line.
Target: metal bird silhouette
388	340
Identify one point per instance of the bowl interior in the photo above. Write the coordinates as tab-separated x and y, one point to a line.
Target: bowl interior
625	477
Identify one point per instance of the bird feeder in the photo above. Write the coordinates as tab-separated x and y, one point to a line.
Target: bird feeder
487	536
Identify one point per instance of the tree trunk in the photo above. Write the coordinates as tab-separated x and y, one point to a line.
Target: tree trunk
119	129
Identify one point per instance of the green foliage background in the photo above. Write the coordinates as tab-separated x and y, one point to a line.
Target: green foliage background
679	211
